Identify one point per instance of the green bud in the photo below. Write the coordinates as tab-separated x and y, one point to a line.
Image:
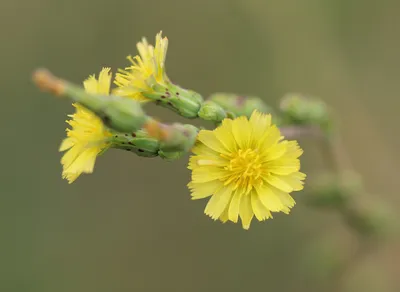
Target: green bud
185	102
240	105
210	111
180	138
123	115
118	113
301	110
138	143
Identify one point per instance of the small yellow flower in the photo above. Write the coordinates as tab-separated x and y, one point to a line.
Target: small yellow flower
147	69
88	136
246	168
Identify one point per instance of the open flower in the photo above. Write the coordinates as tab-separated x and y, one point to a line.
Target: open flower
147	69
247	169
88	136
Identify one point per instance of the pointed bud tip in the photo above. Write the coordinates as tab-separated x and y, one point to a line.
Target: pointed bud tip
46	81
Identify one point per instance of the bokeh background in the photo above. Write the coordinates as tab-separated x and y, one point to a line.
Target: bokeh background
131	226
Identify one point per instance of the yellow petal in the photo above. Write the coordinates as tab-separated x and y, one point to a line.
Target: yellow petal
209	139
66	144
204	190
70	156
275	151
295	180
208	160
279	183
233	212
201	149
246	211
71	177
84	162
260	123
224	216
293	150
225	136
270	137
283	166
218	202
207	173
132	92
269	199
104	82
286	199
90	85
242	132
259	209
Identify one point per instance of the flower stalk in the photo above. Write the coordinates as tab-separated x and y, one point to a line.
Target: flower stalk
117	113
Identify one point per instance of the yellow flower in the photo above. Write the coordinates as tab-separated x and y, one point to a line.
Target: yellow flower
246	168
147	69
88	136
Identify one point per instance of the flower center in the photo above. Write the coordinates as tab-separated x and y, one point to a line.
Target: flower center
245	169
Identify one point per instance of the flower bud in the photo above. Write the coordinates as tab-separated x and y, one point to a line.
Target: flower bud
210	111
301	110
179	138
240	105
185	102
123	114
139	143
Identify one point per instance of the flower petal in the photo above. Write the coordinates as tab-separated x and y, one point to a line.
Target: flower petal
208	173
103	86
259	209
224	216
90	84
295	180
209	139
271	136
204	190
66	144
201	149
84	162
260	123
225	135
233	212
275	151
218	202
293	150
283	166
279	183
242	132
269	198
246	211
286	200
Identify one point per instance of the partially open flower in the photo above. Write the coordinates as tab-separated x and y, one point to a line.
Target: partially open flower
246	168
146	70
88	137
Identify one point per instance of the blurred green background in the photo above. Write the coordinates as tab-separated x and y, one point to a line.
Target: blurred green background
131	226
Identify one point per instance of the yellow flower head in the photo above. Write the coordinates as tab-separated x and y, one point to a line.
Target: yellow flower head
147	69
88	136
246	168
